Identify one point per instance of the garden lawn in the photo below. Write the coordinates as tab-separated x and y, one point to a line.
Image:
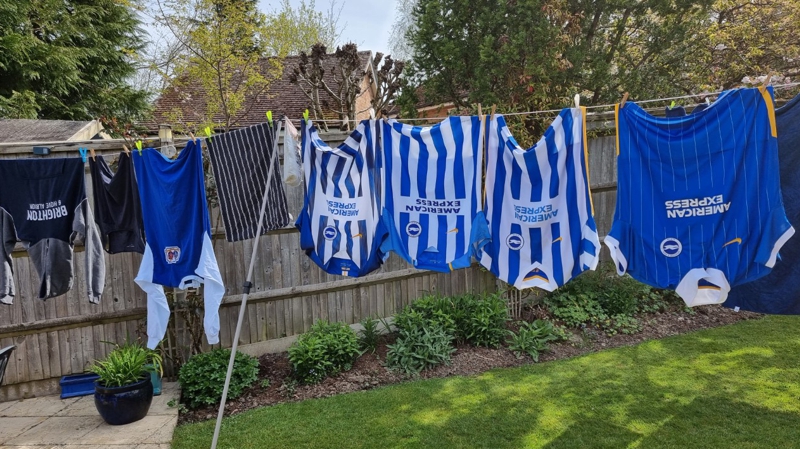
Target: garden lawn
731	387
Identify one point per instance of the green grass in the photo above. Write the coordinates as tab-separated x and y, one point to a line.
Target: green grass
731	387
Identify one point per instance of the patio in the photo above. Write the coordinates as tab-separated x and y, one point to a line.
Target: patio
73	423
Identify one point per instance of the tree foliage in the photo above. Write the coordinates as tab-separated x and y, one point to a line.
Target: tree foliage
295	29
748	39
223	41
69	59
535	54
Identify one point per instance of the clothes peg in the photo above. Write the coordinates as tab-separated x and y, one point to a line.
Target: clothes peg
624	100
191	136
708	100
372	113
305	115
768	80
125	148
139	146
82	151
94	157
269	116
480	111
672	105
208	132
577	100
494	109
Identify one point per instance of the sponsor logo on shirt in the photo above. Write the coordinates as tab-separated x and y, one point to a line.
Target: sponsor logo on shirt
696	207
46	211
515	242
526	214
172	254
342	209
442	207
671	247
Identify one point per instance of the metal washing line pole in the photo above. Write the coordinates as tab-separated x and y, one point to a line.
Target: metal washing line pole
247	285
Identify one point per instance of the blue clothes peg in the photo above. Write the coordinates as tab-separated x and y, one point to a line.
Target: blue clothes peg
83	151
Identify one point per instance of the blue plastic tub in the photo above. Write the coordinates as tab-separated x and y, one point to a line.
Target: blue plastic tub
77	385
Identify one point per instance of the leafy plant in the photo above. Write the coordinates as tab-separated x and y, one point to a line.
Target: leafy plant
369	336
575	308
126	364
606	300
483	321
288	388
428	311
471	318
202	377
623	324
419	348
532	338
326	349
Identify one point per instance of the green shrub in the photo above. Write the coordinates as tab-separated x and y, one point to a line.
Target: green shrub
202	377
609	301
575	308
419	348
467	318
326	349
428	311
532	338
369	336
482	321
624	324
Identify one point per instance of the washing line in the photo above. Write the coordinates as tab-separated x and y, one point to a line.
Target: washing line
553	111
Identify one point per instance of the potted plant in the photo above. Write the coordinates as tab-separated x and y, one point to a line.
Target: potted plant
124	390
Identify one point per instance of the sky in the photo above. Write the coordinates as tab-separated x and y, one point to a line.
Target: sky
368	23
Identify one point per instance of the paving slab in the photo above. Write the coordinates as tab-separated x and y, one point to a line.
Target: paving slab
82	407
42	406
57	430
5	405
13	427
130	434
164	434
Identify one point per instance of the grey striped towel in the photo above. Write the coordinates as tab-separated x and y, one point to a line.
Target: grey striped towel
241	160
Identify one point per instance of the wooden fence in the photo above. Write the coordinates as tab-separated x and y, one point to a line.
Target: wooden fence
64	335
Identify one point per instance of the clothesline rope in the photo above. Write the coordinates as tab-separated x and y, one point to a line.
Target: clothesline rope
551	111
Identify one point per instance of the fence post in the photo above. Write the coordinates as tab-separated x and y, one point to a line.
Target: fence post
166	142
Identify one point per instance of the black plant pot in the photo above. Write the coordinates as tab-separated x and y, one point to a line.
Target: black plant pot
126	404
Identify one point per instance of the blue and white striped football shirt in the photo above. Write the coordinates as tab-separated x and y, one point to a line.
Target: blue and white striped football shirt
538	205
432	188
340	226
699	205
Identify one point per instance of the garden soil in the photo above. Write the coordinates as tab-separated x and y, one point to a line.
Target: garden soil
276	385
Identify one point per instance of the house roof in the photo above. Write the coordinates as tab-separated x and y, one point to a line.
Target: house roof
23	130
282	97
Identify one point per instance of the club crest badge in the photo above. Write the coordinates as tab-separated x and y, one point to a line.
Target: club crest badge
172	254
330	232
671	247
413	229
